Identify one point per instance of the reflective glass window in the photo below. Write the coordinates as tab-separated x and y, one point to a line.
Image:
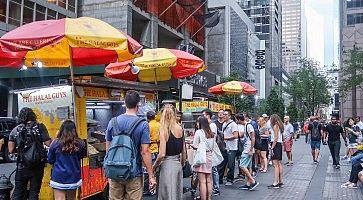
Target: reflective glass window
14	13
2	10
28	12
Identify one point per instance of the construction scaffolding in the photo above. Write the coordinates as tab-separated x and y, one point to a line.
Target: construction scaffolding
178	14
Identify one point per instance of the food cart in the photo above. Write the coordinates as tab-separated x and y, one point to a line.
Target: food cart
92	102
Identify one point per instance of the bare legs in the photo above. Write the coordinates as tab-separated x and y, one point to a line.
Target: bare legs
277	171
264	161
205	186
64	194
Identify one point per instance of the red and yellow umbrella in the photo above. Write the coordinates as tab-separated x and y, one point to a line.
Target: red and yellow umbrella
157	65
233	88
66	42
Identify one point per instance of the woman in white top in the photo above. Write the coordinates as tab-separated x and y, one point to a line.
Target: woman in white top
276	147
204	134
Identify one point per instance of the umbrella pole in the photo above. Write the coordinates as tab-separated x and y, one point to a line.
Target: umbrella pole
72	85
156	92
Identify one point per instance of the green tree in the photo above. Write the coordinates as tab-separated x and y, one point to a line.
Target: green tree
293	113
308	89
352	71
275	104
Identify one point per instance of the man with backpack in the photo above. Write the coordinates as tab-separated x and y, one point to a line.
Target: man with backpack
29	138
246	139
127	146
316	131
230	132
221	144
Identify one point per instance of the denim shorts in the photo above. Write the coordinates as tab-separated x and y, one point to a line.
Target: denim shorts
315	145
246	161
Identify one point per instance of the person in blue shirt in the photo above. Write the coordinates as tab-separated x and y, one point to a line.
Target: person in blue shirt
65	153
132	189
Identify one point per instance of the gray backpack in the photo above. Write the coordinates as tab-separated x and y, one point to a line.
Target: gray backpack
121	159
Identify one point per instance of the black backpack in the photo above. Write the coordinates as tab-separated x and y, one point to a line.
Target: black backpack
31	152
315	134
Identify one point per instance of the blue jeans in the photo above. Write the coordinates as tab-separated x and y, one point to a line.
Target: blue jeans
231	165
215	176
357	158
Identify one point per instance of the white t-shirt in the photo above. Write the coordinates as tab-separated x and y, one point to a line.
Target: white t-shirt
268	125
199	136
360	125
228	132
288	131
246	138
213	128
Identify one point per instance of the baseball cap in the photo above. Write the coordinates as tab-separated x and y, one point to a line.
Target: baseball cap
264	115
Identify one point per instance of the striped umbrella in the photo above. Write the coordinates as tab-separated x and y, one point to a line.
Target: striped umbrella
66	42
157	65
233	88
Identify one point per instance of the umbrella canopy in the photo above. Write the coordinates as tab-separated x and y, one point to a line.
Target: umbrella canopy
233	87
65	42
157	65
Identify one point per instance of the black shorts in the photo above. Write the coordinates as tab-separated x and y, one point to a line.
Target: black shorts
264	145
277	152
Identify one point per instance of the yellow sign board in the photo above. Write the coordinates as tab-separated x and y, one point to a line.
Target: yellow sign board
193	106
96	93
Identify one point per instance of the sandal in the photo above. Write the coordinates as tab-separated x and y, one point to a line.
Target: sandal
345	185
264	171
197	198
352	186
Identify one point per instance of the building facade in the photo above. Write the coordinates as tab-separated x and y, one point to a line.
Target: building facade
231	45
351	23
291	35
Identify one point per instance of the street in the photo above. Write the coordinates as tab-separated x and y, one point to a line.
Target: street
304	180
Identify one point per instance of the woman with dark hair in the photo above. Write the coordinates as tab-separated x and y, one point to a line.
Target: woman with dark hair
65	153
204	134
276	149
27	134
353	132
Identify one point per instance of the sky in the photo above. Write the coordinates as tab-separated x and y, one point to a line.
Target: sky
322	22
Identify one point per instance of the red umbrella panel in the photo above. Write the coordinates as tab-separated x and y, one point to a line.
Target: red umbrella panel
157	65
60	43
233	88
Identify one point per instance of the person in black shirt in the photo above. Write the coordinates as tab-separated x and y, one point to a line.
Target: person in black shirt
333	133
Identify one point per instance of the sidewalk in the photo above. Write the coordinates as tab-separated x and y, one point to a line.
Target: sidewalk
303	181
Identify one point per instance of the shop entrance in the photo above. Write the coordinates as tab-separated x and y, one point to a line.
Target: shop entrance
4	101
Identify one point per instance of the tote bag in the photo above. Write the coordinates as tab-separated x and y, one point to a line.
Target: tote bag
217	157
200	156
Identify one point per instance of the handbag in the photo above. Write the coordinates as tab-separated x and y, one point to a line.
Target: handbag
187	168
200	156
217	157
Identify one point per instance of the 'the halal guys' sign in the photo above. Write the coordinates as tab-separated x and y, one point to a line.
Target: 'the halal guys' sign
55	96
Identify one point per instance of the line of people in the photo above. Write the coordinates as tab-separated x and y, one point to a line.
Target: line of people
132	143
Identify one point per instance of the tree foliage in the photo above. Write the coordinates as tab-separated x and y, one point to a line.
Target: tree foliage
293	113
308	88
275	103
352	71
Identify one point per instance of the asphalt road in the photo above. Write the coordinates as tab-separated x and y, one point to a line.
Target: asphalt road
303	181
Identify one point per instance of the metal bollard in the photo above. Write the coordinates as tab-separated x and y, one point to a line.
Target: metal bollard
5	187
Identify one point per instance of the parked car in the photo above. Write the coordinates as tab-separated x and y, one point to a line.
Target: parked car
6	126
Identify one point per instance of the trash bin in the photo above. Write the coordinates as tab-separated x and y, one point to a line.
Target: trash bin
5	187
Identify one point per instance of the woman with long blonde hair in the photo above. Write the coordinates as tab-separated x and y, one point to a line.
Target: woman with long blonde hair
171	156
264	134
276	147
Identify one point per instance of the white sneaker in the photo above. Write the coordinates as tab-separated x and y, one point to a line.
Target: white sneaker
229	183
